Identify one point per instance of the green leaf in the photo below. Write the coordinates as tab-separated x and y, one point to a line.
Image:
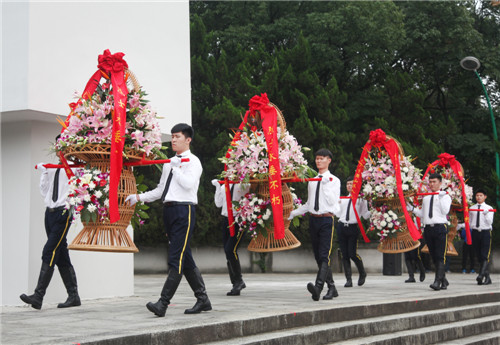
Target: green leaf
143	214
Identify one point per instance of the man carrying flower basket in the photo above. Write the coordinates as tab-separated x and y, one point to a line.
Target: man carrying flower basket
434	211
348	233
322	203
178	190
54	188
231	243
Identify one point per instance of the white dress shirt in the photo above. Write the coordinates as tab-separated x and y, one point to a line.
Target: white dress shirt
361	207
329	195
485	221
220	195
440	209
47	187
184	184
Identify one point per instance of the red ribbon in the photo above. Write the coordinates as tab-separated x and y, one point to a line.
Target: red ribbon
114	65
379	139
445	159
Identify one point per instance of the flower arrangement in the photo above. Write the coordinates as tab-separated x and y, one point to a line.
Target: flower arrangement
379	179
92	122
384	221
88	194
252	212
451	185
249	157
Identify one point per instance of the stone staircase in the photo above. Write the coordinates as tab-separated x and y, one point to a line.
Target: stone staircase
470	319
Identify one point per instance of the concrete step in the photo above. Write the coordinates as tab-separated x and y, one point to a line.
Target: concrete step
439	334
385	327
320	326
491	338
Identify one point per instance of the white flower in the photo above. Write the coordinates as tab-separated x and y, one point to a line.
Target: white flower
91	185
86	197
72	201
390	225
91	208
98	194
383	223
106	189
106	202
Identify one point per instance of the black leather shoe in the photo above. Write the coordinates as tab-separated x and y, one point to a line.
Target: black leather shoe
34	300
348	283
315	292
237	287
410	280
332	292
159	308
202	304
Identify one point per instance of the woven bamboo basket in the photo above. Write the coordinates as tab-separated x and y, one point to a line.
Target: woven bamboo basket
402	241
106	237
265	244
452	233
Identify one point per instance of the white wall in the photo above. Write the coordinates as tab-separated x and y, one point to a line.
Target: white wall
49	51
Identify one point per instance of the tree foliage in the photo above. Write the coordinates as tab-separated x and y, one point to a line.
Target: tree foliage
338	70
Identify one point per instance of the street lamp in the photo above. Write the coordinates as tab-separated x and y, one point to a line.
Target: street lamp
471	63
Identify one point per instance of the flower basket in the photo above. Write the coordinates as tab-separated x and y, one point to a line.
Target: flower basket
109	124
106	237
262	153
264	244
382	182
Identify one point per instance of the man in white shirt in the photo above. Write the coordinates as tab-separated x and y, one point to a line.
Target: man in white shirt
177	189
231	244
433	213
481	225
322	203
54	190
348	233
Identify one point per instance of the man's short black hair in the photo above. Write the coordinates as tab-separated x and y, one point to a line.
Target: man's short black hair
324	153
481	190
350	178
436	175
186	129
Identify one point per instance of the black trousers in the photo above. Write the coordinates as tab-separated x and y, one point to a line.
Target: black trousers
413	255
437	242
481	240
55	251
231	244
179	223
467	252
348	241
321	232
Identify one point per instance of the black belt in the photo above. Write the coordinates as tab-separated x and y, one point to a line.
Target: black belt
56	209
178	203
479	230
348	224
433	225
328	214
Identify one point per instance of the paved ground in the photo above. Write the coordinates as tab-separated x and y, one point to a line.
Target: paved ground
265	295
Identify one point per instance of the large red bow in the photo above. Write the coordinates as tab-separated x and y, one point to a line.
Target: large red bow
378	137
111	62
